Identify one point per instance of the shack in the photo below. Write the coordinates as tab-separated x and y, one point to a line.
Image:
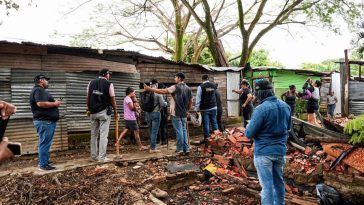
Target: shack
70	70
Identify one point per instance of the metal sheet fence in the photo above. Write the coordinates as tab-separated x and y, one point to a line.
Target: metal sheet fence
356	97
16	85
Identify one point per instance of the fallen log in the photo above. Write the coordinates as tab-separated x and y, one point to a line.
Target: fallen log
326	139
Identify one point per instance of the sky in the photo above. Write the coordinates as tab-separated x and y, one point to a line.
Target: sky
38	22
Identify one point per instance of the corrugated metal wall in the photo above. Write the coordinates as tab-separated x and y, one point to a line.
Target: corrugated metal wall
16	85
77	121
356	97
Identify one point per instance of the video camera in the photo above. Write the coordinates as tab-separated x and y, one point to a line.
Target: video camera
141	85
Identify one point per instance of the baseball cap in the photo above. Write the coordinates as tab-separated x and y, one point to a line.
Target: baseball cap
104	72
39	77
263	85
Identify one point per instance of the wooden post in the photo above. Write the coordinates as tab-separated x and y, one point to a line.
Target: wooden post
345	74
117	135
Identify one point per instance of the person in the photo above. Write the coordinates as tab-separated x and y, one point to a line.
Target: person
245	99
180	104
269	128
154	117
45	116
162	133
100	101
290	98
331	102
313	101
6	110
130	118
219	110
206	103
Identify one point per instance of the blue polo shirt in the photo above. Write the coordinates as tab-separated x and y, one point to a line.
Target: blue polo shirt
269	127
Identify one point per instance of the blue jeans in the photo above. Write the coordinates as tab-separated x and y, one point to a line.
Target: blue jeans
332	110
45	130
270	174
154	120
208	117
179	125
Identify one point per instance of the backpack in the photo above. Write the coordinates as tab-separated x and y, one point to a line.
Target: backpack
147	101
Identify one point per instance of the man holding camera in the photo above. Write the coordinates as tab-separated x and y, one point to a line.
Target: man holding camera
100	101
45	116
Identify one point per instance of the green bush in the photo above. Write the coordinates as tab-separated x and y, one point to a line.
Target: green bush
355	128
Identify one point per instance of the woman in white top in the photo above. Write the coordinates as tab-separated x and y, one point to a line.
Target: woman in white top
313	102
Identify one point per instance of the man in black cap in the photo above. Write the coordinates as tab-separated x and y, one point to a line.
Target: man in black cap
269	128
246	98
45	115
180	104
100	101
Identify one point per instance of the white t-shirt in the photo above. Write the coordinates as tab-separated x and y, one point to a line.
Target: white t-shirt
316	93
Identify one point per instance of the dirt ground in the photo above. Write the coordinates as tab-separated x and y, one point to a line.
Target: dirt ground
127	181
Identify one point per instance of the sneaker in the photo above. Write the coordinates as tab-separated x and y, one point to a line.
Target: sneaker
46	168
187	152
152	151
93	160
105	160
50	163
180	152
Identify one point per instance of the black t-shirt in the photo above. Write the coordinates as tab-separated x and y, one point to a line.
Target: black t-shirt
244	97
39	94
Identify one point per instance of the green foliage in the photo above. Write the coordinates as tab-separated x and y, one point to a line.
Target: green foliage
300	106
9	5
326	65
355	128
259	57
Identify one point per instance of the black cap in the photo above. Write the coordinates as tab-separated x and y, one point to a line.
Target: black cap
154	81
104	72
263	85
245	82
39	77
180	75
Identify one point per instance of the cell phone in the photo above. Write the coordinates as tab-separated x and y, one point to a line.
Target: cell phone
15	148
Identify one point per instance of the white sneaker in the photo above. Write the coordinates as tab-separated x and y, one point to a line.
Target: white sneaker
152	151
105	160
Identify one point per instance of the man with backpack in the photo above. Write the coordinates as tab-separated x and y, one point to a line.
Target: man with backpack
100	102
181	103
206	103
152	103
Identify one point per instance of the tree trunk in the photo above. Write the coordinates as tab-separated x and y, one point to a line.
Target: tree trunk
215	45
179	32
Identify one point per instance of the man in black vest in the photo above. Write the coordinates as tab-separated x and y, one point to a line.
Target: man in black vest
206	103
45	116
100	99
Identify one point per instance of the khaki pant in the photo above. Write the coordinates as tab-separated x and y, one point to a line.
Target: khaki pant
100	123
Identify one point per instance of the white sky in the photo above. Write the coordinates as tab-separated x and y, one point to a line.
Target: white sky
37	23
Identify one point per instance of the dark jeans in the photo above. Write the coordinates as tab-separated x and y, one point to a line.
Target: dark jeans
162	134
45	130
219	121
247	113
332	110
207	118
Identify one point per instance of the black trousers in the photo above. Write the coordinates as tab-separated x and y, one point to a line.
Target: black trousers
162	133
219	121
247	112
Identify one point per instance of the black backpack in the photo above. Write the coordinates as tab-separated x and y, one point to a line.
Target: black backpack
147	101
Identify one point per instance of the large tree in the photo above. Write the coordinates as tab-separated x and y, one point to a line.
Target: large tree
264	15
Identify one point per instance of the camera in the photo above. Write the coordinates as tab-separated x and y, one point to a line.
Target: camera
141	85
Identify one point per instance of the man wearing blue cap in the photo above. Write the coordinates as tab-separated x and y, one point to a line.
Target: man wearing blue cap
268	128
